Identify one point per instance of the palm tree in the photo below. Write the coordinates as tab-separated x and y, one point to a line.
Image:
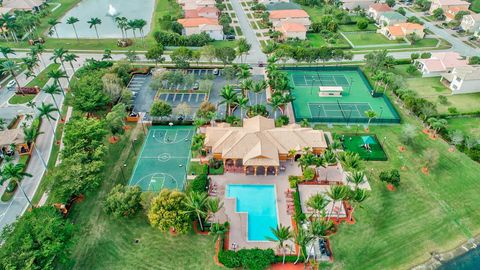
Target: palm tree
437	124
350	161
122	25
218	230
10	67
257	88
72	21
318	203
282	234
330	159
53	90
59	55
70	58
5	51
2	124
213	206
302	238
40	50
141	23
356	178
229	97
55	75
93	22
276	102
53	25
107	54
15	173
246	85
132	25
292	153
242	102
337	194
243	74
195	203
319	230
370	115
31	104
30	135
46	111
357	197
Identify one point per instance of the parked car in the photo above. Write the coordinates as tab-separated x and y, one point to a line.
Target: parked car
230	37
456	28
195	86
461	31
216	72
11	84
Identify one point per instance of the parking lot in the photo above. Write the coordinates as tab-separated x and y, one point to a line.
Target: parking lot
192	99
143	95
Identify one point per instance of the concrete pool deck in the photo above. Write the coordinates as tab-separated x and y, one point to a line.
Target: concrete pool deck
238	221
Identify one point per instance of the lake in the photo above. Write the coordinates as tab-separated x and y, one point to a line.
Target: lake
87	9
468	261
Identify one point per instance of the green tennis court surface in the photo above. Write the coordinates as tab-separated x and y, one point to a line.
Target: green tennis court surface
358	144
164	157
350	107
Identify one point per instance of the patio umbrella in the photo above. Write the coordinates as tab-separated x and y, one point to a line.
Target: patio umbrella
368	140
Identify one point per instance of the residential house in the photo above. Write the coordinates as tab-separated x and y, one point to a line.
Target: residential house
260	148
450	13
446	4
291	16
402	30
463	80
26	5
377	9
353	4
202	12
198	25
471	22
391	18
440	63
292	30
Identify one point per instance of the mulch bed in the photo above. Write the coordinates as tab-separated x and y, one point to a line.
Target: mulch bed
196	230
425	170
113	139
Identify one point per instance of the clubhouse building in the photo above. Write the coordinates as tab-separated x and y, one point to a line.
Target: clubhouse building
260	148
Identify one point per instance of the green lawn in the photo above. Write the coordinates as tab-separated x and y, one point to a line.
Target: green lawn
475	7
354	28
435	212
21	99
468	125
369	38
316	40
41	79
108	243
430	88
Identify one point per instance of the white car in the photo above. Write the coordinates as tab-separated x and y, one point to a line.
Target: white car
11	84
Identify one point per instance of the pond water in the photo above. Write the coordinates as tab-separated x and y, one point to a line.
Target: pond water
468	261
87	9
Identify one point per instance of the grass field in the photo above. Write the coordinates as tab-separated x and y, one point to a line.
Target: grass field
41	79
108	243
468	125
316	40
21	99
435	212
430	88
475	7
369	38
354	28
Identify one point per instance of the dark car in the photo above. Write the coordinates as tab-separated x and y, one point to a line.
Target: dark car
230	37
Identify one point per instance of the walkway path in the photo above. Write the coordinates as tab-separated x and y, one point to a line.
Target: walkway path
256	54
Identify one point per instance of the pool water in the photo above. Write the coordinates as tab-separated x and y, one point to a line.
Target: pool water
259	201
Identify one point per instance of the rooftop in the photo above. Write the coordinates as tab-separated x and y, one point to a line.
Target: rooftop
380	7
443	61
195	22
467	73
22	4
451	2
392	15
290	13
292	27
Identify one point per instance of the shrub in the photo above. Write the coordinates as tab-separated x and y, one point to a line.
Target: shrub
174	39
474	60
308	174
256	258
199	184
362	23
282	121
299	215
293	180
443	100
229	259
414	56
411	69
425	55
390	177
123	201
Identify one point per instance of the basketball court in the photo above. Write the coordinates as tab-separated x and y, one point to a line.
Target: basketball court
164	158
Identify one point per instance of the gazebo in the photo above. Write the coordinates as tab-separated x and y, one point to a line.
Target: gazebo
13	137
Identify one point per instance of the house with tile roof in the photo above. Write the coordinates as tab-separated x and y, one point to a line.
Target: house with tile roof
471	22
260	148
463	80
26	5
391	18
198	25
440	63
202	12
291	16
292	30
450	13
402	30
375	10
446	4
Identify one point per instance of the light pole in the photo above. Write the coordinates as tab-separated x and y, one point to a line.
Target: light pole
133	146
123	173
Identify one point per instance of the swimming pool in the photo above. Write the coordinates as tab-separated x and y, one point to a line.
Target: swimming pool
259	201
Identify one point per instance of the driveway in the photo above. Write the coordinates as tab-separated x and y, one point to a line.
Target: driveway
255	54
457	44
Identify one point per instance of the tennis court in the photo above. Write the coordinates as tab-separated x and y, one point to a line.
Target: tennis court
164	158
314	103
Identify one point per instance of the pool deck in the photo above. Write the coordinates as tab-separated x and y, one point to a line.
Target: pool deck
238	221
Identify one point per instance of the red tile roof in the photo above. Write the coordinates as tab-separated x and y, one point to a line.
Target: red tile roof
194	22
289	13
380	7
